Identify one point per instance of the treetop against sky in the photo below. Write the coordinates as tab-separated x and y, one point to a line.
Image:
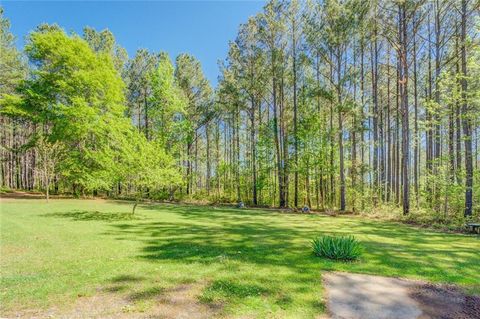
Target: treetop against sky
202	28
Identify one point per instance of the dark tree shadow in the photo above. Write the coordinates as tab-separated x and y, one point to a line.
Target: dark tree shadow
126	278
249	236
146	294
95	216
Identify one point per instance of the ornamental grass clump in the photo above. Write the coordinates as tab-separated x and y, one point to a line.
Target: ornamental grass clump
338	248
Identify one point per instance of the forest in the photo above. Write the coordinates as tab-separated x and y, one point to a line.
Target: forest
338	105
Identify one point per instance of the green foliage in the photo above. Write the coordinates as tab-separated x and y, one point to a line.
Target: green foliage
12	68
104	41
148	166
307	90
137	75
77	96
197	91
341	247
48	157
168	106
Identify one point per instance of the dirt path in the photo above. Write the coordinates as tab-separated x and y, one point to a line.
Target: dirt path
180	302
21	195
355	296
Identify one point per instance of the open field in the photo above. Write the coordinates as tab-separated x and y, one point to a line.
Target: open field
67	255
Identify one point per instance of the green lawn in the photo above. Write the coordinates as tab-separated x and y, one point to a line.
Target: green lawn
256	263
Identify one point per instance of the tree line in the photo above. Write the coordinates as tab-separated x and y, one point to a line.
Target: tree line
348	105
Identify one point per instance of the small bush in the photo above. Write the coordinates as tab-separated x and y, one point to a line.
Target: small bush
340	248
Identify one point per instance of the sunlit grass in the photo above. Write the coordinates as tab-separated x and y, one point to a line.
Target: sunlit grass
256	263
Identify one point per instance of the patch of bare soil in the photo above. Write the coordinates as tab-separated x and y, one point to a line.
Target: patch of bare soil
356	296
175	303
16	194
181	302
21	195
445	302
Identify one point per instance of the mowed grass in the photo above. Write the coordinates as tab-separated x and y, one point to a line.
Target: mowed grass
254	263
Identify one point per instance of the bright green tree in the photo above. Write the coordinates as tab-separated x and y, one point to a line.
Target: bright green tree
167	106
76	96
12	68
147	167
105	42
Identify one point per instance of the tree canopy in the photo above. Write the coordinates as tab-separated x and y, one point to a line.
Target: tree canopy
338	105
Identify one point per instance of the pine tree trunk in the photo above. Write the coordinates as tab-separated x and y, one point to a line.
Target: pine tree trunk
405	118
415	97
207	178
254	153
467	122
295	111
340	130
374	75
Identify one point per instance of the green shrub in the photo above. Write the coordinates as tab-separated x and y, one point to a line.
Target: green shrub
341	248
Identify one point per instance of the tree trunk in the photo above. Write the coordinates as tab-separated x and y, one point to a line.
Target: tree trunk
237	153
254	153
340	130
134	207
415	97
295	111
207	181
467	121
374	72
458	118
405	119
47	189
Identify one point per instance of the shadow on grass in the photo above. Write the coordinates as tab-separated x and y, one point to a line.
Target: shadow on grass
116	288
126	278
254	250
216	234
212	235
95	215
149	293
128	285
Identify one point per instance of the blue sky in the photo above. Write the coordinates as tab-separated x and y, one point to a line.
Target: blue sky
202	28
